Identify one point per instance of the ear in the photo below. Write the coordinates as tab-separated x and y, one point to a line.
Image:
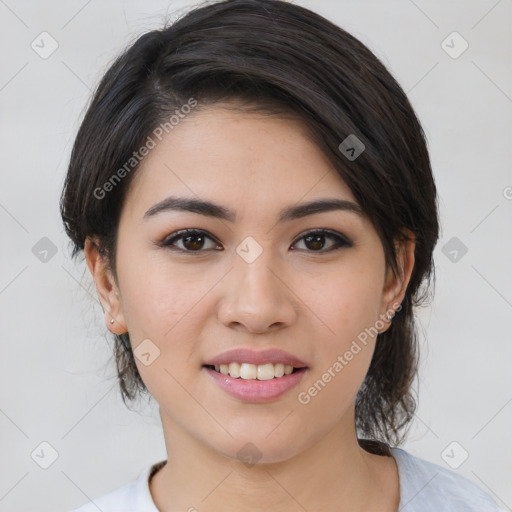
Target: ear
106	287
395	286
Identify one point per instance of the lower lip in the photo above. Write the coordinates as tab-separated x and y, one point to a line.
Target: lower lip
257	390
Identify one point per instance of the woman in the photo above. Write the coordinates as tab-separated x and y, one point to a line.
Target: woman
254	197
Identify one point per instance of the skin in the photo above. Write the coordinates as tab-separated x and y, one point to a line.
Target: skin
194	306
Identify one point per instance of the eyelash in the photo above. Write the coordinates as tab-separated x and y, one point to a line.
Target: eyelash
342	241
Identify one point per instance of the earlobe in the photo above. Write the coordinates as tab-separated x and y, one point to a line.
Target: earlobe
106	287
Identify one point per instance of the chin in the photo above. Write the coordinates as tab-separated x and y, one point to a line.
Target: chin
258	450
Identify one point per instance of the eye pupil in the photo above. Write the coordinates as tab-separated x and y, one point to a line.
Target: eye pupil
317	239
193	246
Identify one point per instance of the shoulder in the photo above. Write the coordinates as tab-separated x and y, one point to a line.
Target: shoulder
426	487
131	497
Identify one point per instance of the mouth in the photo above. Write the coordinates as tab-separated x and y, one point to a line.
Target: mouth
255	375
252	383
248	371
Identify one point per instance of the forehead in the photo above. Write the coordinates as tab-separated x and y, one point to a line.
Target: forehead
247	158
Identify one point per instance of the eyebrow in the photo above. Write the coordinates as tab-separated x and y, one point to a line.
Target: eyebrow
217	211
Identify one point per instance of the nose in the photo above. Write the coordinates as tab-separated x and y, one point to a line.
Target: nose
257	297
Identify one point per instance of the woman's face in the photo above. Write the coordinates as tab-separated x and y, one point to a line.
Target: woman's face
248	280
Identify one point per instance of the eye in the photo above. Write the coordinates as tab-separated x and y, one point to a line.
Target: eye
315	240
193	241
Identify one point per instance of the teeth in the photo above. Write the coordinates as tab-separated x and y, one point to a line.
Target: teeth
249	371
279	369
234	370
265	371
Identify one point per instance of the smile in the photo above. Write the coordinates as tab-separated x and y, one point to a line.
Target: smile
253	389
250	371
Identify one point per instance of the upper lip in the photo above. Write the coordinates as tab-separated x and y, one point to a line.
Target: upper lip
245	355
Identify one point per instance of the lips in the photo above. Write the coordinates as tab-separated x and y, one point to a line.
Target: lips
246	387
256	391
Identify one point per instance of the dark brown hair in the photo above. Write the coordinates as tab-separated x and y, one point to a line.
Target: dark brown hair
279	58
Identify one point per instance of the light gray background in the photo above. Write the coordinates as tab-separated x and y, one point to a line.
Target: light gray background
57	382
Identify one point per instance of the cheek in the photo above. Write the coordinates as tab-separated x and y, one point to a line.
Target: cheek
341	359
163	307
346	305
347	308
154	297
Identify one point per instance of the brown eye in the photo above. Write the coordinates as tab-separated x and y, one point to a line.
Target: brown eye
196	241
315	241
191	240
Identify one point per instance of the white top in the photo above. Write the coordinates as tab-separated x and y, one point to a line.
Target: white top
424	487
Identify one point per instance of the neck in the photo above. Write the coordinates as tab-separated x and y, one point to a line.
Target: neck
334	474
